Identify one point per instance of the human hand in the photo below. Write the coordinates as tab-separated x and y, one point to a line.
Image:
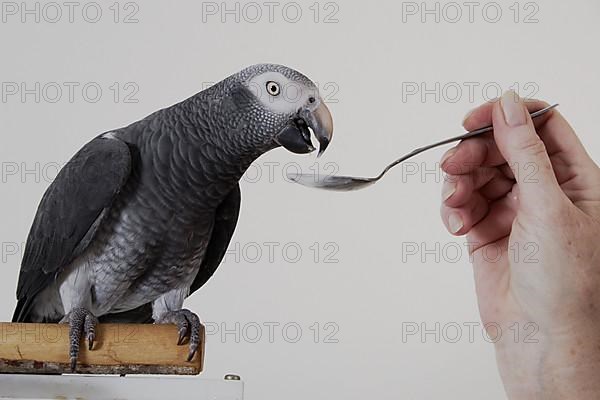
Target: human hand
528	200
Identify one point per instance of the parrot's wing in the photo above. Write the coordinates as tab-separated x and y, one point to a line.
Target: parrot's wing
226	219
69	215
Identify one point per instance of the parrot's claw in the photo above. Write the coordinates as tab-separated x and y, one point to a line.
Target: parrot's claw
188	325
81	322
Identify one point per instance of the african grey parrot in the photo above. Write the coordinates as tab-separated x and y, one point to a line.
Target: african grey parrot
141	216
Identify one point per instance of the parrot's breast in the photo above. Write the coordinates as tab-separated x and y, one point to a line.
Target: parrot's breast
133	261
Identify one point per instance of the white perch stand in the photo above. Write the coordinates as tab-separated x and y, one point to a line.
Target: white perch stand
21	386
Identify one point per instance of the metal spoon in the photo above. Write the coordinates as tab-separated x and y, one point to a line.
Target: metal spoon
348	183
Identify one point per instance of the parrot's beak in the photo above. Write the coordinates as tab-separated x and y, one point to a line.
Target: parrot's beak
296	135
321	123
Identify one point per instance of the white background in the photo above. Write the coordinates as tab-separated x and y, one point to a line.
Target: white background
365	63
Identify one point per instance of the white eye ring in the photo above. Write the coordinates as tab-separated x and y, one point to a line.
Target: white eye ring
273	88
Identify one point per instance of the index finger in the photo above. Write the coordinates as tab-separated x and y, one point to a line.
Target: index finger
482	150
554	130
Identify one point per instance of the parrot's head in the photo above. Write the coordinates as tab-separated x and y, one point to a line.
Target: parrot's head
279	106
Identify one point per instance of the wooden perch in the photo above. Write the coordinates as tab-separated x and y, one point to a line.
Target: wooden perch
118	349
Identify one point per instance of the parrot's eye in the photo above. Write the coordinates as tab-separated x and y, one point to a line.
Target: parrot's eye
273	88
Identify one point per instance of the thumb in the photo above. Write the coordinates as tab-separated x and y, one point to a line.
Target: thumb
525	152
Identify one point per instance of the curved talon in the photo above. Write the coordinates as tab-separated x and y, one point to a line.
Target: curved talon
192	353
182	334
89	327
194	334
189	326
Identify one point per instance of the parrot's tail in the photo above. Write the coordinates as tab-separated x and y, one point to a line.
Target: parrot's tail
21	313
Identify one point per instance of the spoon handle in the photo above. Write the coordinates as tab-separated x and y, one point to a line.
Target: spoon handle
454	139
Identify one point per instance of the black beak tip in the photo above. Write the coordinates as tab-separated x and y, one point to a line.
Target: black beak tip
322	147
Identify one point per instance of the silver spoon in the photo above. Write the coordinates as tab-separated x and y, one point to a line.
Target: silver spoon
348	183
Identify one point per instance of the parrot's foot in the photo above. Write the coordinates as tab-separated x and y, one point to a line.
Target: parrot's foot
189	326
81	322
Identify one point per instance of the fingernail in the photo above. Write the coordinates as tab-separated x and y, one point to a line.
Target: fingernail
467	115
514	111
446	156
448	190
455	222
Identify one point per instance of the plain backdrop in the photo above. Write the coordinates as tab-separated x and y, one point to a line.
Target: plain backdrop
322	295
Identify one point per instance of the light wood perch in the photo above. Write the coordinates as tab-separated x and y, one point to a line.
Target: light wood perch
118	349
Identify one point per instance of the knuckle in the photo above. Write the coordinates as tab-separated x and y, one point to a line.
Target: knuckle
533	146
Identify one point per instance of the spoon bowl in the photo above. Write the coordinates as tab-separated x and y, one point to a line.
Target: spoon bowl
337	183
